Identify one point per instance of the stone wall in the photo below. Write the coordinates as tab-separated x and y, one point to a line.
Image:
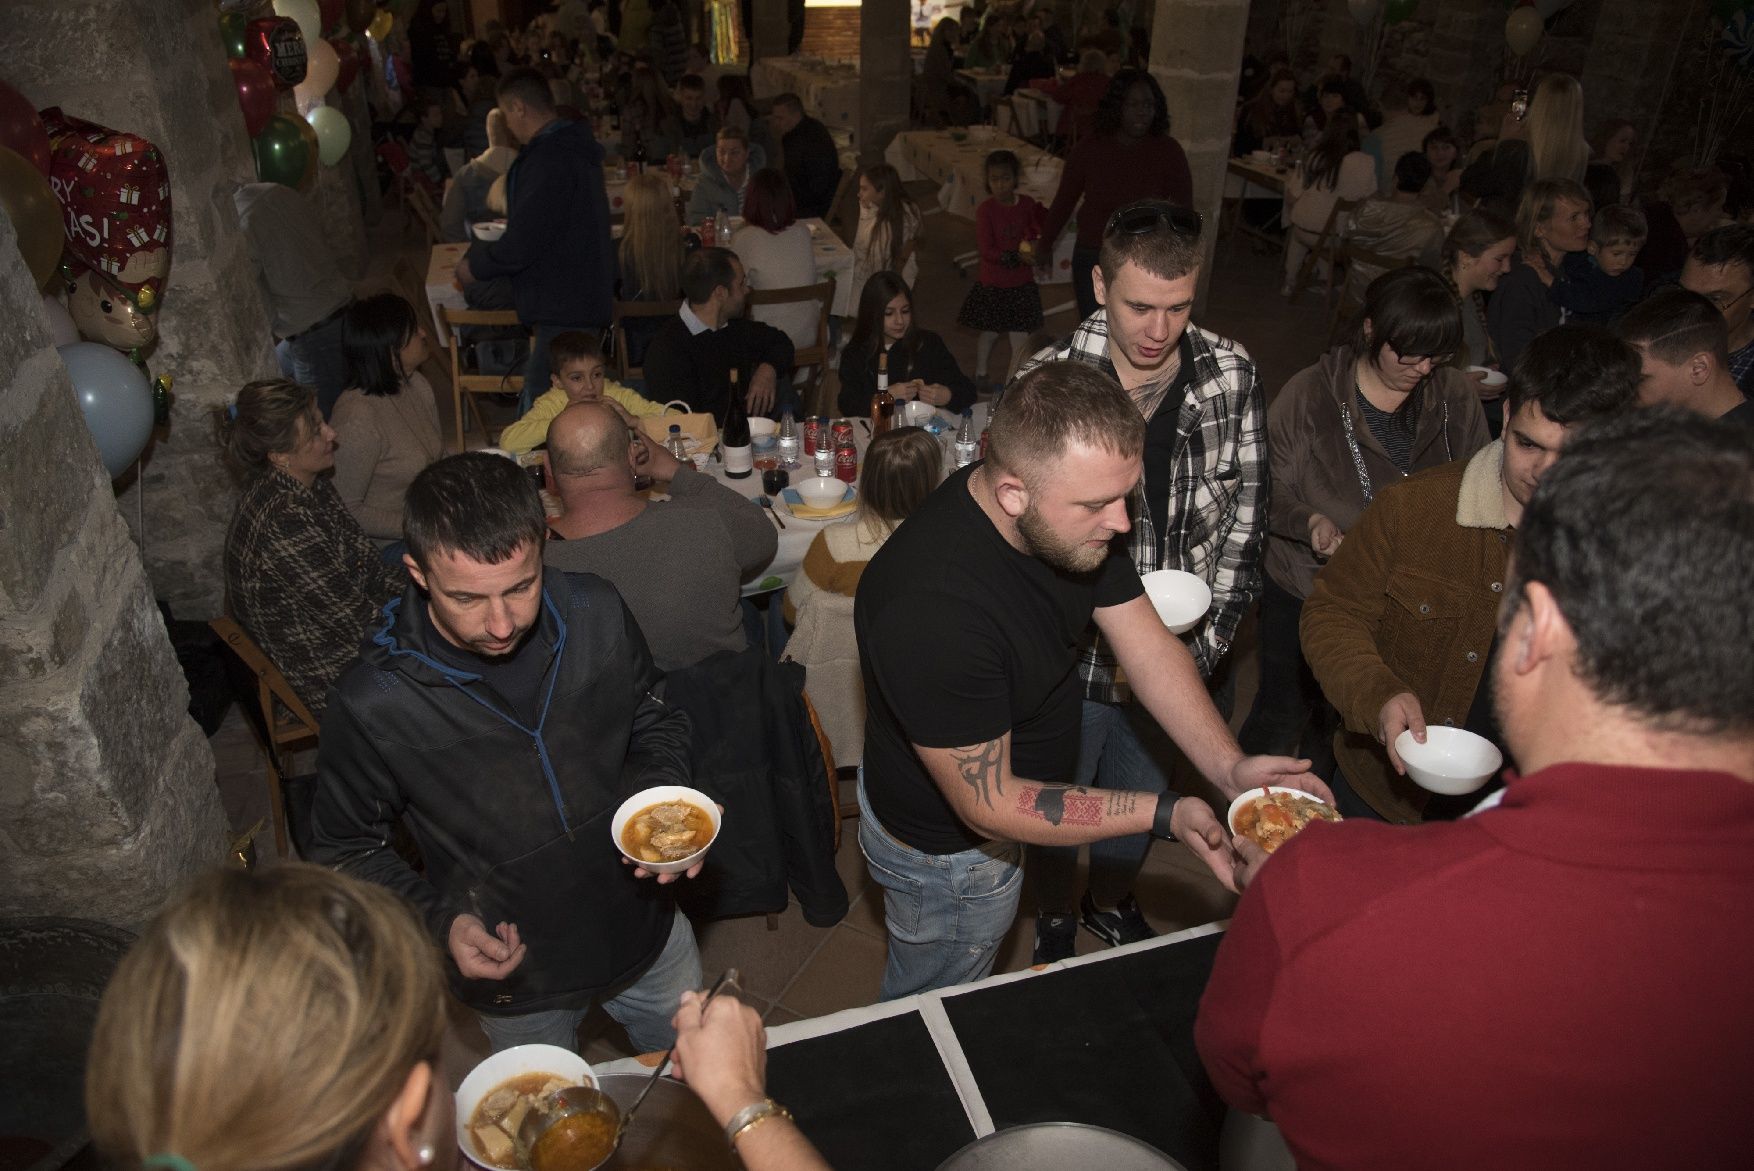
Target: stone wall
158	69
106	785
886	75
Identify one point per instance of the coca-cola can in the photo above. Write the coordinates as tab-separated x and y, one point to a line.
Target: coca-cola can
823	460
846	461
812	434
632	169
843	433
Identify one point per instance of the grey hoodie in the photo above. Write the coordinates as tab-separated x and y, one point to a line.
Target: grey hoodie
714	194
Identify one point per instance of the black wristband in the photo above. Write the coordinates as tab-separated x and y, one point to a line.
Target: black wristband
1165	812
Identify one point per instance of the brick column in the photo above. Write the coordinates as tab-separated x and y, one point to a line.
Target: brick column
886	75
158	69
107	800
1196	56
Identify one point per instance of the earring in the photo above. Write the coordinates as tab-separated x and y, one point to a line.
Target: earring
424	1154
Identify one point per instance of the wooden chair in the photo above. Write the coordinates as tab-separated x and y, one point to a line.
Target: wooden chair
840	808
625	370
426	213
813	357
288	725
1347	304
1328	247
466	384
845	192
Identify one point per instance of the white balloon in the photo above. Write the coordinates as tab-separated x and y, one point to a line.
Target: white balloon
322	67
1522	29
305	14
334	133
61	327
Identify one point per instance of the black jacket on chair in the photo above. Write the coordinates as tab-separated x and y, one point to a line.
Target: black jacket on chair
756	753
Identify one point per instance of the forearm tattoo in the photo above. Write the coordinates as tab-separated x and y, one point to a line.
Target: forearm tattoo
1122	803
978	766
1060	804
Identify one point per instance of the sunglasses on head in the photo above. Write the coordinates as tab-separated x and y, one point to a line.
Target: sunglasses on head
1137	219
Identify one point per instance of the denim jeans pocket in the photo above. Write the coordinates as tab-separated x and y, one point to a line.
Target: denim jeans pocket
994	876
903	898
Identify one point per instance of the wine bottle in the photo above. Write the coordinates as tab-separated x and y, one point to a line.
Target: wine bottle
739	456
882	403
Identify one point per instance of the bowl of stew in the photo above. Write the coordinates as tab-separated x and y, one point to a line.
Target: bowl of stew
665	829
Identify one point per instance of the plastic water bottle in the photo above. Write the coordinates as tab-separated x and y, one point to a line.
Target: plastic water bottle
675	444
967	445
723	233
788	444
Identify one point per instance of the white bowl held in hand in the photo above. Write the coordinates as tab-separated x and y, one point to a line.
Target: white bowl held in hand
502	1067
489	230
1180	598
915	413
1452	761
658	795
821	491
1493	377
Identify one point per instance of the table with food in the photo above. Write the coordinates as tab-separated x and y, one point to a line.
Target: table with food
957	161
828	89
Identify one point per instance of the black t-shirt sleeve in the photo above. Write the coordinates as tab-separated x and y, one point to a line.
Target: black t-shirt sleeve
1117	581
942	670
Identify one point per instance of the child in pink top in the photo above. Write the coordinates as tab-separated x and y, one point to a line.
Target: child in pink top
1005	298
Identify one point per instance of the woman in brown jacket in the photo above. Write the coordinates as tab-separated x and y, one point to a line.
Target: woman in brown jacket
1366	415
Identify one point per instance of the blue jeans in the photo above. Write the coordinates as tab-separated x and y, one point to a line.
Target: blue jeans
315	359
1119	747
537	379
644	1007
946	914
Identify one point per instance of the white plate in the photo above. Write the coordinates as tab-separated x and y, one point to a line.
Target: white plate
504	1066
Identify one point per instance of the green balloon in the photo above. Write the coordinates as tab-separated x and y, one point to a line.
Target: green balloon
283	152
231	34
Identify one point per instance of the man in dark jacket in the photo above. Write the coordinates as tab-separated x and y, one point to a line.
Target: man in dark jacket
812	160
556	248
504	712
692	355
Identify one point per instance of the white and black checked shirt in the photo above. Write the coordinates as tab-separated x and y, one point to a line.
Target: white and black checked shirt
1215	503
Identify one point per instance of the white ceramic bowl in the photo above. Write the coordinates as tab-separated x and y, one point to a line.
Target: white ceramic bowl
1181	599
489	230
502	1067
1251	794
1452	761
821	491
915	413
653	796
759	426
1493	377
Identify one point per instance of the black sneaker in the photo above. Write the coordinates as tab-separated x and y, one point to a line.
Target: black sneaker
1055	938
1124	924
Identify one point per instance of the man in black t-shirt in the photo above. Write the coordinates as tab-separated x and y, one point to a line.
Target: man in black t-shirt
969	620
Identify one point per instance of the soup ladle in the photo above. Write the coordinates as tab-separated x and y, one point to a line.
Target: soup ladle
568	1136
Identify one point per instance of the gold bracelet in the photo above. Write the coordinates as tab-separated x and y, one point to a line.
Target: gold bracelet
752	1116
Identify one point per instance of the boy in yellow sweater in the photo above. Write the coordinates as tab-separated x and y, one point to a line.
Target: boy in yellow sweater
576	359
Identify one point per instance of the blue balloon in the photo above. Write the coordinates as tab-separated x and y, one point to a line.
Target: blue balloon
116	399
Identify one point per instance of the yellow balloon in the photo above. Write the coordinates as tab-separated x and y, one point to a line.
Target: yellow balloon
30	203
379	28
1522	29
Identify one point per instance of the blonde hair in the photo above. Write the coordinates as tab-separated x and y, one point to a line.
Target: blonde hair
1540	200
263	1022
1557	148
651	246
902	467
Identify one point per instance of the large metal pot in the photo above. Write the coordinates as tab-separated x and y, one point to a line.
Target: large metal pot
1054	1146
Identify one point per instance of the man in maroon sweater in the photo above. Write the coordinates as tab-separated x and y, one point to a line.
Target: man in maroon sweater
1560	981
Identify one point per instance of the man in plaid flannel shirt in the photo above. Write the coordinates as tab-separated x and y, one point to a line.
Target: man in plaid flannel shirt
1201	507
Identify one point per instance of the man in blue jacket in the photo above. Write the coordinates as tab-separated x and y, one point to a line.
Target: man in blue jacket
556	249
504	712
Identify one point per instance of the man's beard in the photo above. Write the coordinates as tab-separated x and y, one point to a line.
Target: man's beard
1045	544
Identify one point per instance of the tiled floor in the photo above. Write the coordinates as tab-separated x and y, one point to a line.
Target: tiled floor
796	970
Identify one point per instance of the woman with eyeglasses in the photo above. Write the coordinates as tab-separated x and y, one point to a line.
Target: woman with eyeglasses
1129	157
1368	414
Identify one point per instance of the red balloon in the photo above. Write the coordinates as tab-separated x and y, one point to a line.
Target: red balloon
333	13
275	43
350	62
257	97
22	130
360	14
116	204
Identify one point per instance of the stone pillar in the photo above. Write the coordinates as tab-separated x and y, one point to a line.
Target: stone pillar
1637	64
768	37
107	800
886	75
1196	56
158	69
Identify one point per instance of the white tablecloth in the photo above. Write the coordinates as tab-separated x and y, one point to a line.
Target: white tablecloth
829	90
957	161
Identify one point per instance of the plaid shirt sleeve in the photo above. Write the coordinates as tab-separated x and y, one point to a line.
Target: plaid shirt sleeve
1238	515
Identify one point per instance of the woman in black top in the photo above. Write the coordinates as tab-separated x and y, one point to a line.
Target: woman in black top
920	365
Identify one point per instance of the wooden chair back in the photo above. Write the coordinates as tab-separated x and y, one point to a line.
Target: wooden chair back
1326	247
1350	300
814	357
624	369
288	723
464	384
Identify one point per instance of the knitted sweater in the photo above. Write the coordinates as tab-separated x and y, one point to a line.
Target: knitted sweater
383	441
